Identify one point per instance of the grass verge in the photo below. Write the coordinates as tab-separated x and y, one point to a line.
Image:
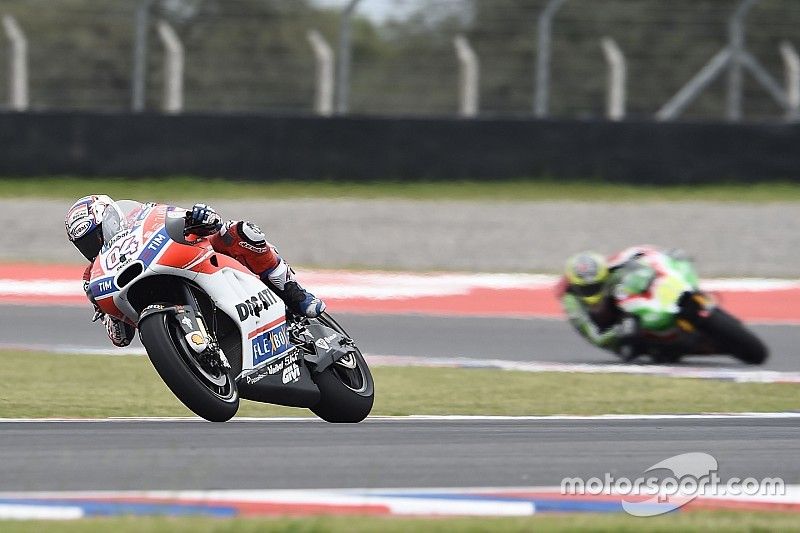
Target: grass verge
67	386
171	189
687	521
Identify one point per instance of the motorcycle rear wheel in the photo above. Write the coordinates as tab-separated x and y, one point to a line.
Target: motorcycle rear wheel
216	401
346	394
733	337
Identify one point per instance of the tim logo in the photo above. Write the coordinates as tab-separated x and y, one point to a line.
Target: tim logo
157	241
268	345
102	287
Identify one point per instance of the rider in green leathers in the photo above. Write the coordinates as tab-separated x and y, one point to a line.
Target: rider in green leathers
586	293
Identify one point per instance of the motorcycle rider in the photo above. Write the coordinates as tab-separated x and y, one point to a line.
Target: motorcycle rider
241	240
586	295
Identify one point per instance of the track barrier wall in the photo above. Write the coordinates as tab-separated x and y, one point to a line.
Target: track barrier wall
269	147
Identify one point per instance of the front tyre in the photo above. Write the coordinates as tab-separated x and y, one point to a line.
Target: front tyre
213	397
729	334
346	388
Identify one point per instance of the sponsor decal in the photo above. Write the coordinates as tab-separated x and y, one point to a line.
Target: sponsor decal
324	343
256	249
270	344
255	378
197	341
255	305
156	242
155	245
291	374
80	229
272	369
186	321
81	211
102	287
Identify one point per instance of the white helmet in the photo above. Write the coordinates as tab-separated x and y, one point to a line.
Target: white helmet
83	224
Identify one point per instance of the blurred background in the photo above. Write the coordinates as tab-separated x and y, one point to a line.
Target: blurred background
539	100
645	91
546	58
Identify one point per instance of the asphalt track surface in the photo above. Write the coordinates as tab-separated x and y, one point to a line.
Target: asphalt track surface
139	455
132	455
424	336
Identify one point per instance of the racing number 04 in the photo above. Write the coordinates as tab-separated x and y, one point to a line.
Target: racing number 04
124	248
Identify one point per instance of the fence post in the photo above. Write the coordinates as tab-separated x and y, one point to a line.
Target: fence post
695	86
469	77
139	74
544	36
736	36
345	56
173	68
791	62
19	96
323	102
617	77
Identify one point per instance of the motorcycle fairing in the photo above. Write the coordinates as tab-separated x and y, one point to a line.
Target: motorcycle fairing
651	289
229	284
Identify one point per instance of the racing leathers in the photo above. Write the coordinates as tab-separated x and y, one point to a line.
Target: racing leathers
243	241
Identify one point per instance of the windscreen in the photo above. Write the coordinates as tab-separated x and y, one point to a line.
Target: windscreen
115	218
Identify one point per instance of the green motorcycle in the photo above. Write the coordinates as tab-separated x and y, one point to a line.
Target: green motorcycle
675	317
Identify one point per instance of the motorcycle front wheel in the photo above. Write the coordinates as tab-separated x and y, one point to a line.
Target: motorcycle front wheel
210	394
347	390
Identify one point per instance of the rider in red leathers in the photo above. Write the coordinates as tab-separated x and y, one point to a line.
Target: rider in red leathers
241	240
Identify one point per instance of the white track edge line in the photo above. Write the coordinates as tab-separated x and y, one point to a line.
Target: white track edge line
435	418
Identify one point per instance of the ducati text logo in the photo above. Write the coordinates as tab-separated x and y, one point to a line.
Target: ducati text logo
255	305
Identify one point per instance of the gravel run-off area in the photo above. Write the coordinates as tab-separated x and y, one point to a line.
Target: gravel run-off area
726	239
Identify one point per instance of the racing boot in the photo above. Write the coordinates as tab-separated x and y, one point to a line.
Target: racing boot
298	300
245	242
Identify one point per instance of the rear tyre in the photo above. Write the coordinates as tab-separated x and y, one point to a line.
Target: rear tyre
211	396
346	388
731	336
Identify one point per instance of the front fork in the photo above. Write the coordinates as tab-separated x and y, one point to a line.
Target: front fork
694	306
192	324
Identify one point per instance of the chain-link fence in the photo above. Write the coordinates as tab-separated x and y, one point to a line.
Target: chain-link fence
399	57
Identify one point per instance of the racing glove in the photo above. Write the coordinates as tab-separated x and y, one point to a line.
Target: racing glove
202	221
627	333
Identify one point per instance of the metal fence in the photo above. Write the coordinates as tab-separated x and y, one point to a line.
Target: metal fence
615	59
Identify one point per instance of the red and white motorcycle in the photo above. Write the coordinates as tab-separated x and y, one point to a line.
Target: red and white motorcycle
213	330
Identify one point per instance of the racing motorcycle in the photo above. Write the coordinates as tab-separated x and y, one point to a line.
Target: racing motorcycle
674	317
213	330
